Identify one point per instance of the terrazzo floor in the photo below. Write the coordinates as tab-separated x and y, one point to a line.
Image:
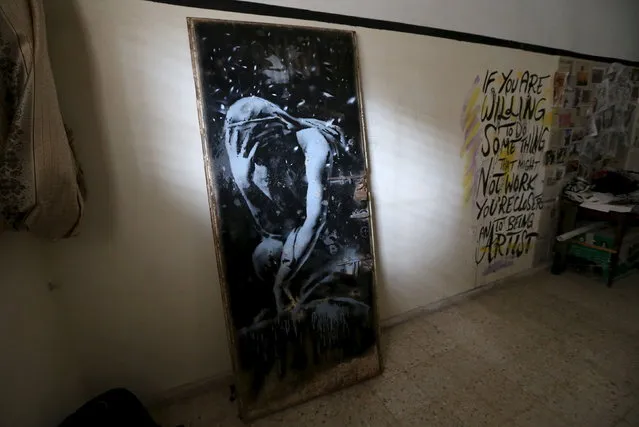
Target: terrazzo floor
544	351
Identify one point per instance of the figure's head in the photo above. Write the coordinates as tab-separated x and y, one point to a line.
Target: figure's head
266	258
254	118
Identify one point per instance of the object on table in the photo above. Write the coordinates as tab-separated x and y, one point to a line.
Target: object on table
614	182
579	231
595	250
574	216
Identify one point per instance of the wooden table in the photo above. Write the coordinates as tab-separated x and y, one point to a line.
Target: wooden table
570	213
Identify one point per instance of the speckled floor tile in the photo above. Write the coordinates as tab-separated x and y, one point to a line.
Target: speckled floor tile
632	416
316	412
401	395
539	416
506	397
472	410
545	351
434	414
579	410
404	346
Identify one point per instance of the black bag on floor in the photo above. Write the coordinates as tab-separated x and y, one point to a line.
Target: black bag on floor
115	408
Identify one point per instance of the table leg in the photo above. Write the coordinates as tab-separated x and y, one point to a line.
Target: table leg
567	222
620	232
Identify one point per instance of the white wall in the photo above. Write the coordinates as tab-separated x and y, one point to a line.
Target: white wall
595	27
140	283
39	381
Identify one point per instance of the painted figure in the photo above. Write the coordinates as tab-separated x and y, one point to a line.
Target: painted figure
282	166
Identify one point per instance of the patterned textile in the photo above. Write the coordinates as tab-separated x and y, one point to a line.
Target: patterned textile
40	180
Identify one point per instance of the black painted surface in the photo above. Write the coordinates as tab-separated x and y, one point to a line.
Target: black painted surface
263	88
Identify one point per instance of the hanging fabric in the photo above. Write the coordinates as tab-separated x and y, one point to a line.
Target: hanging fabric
40	180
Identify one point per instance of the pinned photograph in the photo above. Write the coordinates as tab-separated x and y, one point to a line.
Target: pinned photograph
599	123
600	144
611	73
584	96
614	142
608	118
586	149
584	171
601	96
631	111
556	138
567	137
559	86
595	104
591	127
584	110
549	159
582	75
565	118
574	150
562	153
565	65
578	134
617	141
550	176
572	80
572	166
569	98
597	75
559	172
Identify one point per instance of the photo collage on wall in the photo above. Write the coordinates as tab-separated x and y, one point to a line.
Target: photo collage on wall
594	126
594	115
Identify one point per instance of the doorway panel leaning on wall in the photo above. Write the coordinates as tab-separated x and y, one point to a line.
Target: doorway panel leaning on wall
40	180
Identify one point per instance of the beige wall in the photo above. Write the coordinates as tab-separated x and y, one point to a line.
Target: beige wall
591	27
39	381
140	284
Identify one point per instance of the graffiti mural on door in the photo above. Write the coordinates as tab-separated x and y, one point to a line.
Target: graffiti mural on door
506	120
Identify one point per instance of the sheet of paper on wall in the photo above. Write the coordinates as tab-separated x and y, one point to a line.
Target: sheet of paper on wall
578	135
559	85
561	154
630	117
632	161
565	65
597	75
591	127
556	138
564	118
569	98
572	167
601	96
